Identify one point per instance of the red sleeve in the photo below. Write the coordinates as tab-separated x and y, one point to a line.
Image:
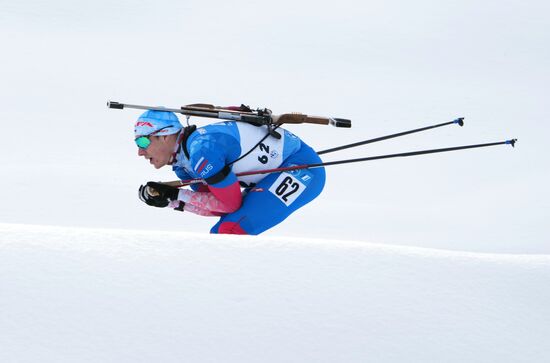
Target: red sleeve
229	195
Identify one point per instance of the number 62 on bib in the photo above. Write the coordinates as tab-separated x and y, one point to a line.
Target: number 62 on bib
287	188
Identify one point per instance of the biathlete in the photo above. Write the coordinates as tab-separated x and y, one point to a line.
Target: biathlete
216	153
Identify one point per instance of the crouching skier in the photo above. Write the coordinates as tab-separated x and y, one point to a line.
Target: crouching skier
216	153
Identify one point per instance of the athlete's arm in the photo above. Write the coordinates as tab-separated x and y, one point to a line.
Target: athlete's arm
209	201
208	159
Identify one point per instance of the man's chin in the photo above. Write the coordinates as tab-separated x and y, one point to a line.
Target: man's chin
156	164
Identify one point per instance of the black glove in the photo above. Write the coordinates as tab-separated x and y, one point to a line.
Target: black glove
157	194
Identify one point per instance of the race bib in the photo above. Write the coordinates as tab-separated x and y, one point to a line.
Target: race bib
287	188
266	155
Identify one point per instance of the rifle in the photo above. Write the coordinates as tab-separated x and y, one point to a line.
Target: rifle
243	114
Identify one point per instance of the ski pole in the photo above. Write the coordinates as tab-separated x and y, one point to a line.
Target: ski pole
459	121
180	183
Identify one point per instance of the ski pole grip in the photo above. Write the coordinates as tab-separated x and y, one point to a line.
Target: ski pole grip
113	104
152	191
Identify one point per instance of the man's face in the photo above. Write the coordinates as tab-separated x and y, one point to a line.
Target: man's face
158	152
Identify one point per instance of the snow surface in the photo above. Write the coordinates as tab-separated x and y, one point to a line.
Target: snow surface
99	295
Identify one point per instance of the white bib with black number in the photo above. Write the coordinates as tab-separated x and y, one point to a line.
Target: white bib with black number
267	155
287	188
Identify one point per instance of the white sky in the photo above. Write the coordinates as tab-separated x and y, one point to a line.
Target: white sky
387	65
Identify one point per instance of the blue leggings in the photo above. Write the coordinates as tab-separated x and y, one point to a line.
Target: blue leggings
276	196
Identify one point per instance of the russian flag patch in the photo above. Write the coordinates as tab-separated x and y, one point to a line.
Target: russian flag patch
199	166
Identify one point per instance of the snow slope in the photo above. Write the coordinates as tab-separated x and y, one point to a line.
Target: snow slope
91	295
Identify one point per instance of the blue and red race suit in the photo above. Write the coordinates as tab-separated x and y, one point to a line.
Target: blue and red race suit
217	152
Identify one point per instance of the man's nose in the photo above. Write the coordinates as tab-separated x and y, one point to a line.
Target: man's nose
141	151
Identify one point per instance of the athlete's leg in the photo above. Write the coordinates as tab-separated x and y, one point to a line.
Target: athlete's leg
275	197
